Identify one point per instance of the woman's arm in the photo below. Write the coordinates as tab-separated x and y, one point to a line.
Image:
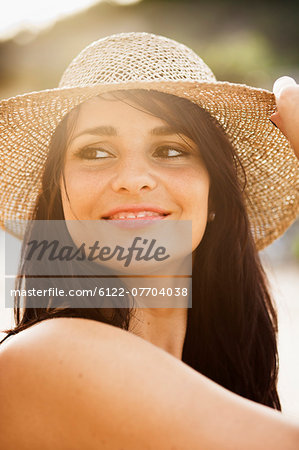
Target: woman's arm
75	383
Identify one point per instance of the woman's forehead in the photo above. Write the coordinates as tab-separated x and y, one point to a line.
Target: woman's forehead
111	112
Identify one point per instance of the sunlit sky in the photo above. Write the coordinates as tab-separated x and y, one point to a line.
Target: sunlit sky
18	15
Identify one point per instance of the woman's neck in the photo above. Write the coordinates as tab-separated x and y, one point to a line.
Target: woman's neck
163	327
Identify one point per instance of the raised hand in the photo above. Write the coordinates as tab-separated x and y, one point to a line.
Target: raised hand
286	92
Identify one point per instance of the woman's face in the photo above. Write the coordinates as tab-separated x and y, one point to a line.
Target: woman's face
122	162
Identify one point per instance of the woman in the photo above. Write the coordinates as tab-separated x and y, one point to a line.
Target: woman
144	140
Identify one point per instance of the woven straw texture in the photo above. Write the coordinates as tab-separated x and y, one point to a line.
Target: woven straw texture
147	61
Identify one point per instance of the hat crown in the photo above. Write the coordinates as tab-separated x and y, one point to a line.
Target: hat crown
133	57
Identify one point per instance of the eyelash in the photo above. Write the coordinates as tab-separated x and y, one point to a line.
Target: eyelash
82	153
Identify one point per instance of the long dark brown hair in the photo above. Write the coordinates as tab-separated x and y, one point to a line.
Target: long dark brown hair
232	325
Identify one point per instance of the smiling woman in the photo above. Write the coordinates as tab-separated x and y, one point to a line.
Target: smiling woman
160	142
165	179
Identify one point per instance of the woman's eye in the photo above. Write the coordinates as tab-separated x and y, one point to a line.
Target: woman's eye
93	153
169	152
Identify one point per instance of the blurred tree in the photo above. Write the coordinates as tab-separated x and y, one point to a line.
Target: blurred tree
277	20
246	42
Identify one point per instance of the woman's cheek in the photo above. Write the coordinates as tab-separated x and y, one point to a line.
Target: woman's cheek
80	193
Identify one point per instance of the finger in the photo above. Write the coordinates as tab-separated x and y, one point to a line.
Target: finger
281	83
277	120
286	92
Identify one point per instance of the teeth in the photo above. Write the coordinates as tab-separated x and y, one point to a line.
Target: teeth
131	215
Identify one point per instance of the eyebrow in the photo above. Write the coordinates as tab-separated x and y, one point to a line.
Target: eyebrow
105	130
98	131
164	130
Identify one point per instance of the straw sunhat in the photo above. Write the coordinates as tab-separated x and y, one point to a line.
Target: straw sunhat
147	61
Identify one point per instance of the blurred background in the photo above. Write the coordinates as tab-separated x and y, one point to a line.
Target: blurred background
249	42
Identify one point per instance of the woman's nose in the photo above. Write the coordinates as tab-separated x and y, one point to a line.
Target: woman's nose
132	177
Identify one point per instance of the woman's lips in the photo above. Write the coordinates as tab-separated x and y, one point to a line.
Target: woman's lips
144	215
136	222
136	212
130	219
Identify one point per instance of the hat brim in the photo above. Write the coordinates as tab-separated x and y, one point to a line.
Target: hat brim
28	121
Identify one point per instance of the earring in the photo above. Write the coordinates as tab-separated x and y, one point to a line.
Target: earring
212	216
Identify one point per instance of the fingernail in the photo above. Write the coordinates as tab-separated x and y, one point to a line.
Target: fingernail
273	123
281	83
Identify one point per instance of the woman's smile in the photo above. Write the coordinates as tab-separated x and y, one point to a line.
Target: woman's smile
135	216
126	165
136	212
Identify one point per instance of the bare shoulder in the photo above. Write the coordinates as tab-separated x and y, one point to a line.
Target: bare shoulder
63	343
53	343
64	330
74	382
